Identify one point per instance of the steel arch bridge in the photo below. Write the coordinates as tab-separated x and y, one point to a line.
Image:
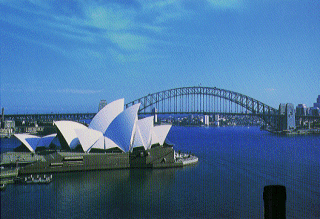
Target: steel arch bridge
203	100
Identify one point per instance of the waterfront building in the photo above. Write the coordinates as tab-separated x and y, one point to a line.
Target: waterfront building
282	109
2	118
290	116
287	119
314	111
9	124
317	104
102	104
115	139
8	128
191	120
301	110
112	130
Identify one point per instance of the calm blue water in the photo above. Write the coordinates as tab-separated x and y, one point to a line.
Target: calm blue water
235	163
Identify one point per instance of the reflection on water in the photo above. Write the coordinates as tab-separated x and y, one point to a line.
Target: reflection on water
234	166
101	194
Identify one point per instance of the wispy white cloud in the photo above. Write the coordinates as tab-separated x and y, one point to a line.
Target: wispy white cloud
129	41
111	18
270	90
35	86
126	31
78	91
226	4
40	3
137	56
164	10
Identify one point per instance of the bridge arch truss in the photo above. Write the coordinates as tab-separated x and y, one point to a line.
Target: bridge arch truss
202	100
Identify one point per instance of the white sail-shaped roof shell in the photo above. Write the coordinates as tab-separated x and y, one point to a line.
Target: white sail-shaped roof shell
104	143
67	129
159	134
137	141
122	128
106	115
88	137
99	144
146	127
143	131
154	139
108	143
29	141
45	141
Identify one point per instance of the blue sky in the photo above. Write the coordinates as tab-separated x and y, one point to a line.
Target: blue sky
65	56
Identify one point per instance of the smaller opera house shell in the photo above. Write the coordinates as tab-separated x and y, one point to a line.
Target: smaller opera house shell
115	138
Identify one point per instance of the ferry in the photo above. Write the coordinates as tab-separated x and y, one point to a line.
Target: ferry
38	179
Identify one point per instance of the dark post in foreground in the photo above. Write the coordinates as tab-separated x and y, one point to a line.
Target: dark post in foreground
274	197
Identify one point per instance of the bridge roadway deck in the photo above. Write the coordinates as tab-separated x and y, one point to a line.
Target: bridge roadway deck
84	116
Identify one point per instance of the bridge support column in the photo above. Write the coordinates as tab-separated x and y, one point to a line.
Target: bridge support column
206	120
155	116
216	120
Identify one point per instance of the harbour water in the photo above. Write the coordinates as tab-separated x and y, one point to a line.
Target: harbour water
235	163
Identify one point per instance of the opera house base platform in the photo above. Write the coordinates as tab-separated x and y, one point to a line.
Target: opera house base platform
157	157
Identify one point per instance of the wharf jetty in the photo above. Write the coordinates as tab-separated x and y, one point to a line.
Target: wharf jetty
297	132
7	176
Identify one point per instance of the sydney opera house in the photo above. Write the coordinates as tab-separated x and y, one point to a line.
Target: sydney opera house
115	138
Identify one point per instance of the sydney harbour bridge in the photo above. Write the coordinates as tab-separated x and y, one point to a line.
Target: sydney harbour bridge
196	100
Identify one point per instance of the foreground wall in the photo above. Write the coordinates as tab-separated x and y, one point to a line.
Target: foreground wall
65	162
159	157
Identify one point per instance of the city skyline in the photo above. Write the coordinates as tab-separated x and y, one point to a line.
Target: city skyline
66	56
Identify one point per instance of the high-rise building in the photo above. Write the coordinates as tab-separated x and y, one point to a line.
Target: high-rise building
287	118
317	104
102	104
314	111
301	110
282	108
291	116
2	118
